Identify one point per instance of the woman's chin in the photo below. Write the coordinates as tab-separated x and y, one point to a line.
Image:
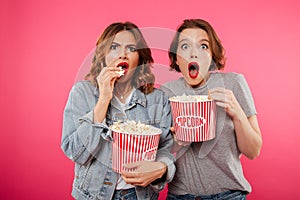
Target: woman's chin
124	79
194	82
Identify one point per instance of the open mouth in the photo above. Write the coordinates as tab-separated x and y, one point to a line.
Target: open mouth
193	68
124	67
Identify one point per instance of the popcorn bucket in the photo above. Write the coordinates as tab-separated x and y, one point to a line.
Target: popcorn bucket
194	118
128	148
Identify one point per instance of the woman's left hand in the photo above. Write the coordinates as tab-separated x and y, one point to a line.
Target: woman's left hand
142	173
226	99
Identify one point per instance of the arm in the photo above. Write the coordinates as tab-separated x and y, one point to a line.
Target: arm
164	154
81	137
158	173
106	82
81	128
247	130
248	135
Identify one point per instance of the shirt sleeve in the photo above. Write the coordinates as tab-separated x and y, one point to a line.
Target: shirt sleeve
244	96
164	150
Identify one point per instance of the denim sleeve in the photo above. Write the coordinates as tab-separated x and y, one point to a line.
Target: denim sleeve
81	138
164	149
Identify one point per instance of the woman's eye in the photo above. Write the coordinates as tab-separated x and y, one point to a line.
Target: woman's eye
131	49
184	46
204	46
113	47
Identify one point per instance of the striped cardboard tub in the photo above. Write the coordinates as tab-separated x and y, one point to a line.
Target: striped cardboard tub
129	148
194	121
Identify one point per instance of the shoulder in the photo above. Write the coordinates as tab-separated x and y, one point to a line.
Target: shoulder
157	92
83	84
173	87
83	87
173	84
157	95
228	75
230	79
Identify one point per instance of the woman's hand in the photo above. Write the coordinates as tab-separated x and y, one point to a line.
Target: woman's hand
180	143
143	173
106	82
226	99
177	143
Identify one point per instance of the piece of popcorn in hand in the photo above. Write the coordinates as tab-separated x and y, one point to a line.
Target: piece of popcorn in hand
121	72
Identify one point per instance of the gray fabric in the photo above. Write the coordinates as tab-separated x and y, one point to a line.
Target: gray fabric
213	166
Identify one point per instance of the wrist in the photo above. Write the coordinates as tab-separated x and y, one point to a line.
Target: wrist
163	176
100	110
104	99
239	117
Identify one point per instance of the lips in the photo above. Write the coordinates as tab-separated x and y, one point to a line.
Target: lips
193	68
124	66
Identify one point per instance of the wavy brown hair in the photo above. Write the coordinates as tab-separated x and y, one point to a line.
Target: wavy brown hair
218	52
143	78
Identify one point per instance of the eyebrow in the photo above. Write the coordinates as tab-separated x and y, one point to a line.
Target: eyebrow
132	44
186	39
182	40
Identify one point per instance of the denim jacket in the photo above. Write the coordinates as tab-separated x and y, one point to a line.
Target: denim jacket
85	142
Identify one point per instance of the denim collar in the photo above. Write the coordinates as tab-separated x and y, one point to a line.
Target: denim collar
138	97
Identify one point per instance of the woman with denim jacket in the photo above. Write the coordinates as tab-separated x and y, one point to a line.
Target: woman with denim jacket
212	169
118	87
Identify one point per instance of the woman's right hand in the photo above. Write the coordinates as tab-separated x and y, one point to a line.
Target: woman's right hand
106	81
177	143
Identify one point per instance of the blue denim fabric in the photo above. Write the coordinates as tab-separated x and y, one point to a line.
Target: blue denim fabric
84	141
125	195
228	195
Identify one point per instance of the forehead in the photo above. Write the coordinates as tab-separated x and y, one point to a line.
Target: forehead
193	34
125	37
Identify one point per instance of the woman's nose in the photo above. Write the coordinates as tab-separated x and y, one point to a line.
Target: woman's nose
194	53
123	54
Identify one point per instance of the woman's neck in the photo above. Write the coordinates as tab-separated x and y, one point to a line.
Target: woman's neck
201	83
122	90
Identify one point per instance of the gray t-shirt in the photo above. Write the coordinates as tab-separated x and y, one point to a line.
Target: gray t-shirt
212	166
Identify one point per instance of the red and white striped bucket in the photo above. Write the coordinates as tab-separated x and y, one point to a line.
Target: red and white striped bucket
129	148
194	121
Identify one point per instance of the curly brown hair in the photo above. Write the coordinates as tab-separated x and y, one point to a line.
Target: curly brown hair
218	52
143	78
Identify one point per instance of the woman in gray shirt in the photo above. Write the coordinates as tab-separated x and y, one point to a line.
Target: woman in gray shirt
118	87
212	169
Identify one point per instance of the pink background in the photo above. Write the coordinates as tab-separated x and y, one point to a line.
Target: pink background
43	44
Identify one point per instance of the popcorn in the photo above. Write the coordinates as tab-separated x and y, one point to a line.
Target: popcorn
132	127
190	98
121	72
